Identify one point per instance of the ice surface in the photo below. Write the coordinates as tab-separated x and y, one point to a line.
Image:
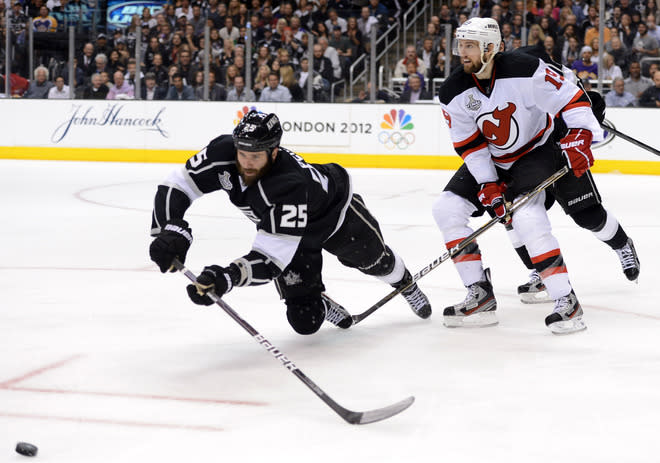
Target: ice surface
104	359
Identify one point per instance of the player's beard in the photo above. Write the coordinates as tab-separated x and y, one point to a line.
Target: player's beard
255	174
472	67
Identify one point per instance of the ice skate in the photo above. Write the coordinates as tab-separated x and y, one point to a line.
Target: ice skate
478	308
566	318
533	292
417	300
335	313
629	260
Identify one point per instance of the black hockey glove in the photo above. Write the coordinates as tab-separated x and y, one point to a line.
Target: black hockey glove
174	240
213	278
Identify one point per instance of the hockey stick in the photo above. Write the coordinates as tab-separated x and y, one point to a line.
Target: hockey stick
630	139
463	244
349	416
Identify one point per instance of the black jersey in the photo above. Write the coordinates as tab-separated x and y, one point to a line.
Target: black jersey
293	204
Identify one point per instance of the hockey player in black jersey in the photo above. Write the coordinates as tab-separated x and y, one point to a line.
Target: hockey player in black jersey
500	110
299	209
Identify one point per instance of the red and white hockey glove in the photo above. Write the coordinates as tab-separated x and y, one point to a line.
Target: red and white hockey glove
491	196
576	147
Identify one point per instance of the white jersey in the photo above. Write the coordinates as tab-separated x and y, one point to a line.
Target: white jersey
496	122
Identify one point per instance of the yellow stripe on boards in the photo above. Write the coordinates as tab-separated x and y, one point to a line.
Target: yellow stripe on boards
411	161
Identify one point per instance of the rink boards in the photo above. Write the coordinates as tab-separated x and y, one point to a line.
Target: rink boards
354	135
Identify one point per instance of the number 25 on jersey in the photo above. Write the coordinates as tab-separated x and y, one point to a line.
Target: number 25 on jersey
294	216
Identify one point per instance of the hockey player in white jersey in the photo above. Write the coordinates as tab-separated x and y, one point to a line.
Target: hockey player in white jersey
299	209
500	110
579	198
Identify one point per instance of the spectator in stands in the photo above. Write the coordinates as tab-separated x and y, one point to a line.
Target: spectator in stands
239	92
185	66
158	70
269	41
292	45
414	91
114	62
86	59
95	90
44	22
618	97
426	53
411	56
636	83
302	74
59	91
101	45
592	33
319	30
230	73
354	36
535	35
411	70
40	86
621	56
644	44
334	20
17	85
585	68
627	31
151	90
289	81
438	68
653	29
217	91
121	90
608	69
263	58
365	22
275	92
179	90
331	53
651	96
342	44
131	74
551	49
230	31
323	66
379	10
507	37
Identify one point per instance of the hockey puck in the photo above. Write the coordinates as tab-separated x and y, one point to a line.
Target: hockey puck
26	449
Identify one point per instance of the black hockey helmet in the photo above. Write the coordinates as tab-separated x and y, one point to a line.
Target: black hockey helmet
258	131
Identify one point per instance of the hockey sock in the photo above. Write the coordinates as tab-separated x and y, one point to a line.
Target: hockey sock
468	262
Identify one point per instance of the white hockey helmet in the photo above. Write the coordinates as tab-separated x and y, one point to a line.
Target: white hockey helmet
483	30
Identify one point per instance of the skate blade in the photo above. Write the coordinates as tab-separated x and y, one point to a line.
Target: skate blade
568	326
540	297
478	320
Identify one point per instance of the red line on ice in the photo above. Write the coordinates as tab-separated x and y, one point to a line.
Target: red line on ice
141	424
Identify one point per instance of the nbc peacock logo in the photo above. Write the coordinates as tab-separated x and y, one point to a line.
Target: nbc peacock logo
398	130
242	112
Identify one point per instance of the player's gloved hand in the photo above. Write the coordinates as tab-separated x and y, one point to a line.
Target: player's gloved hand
491	195
174	240
213	278
576	147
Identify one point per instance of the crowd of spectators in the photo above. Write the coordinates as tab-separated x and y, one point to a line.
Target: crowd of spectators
173	49
567	31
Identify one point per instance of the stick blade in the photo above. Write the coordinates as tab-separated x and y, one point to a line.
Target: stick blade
379	414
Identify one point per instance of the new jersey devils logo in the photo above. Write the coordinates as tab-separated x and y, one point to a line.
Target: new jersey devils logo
500	127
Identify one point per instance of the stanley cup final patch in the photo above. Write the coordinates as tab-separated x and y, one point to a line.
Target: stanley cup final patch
472	104
224	180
